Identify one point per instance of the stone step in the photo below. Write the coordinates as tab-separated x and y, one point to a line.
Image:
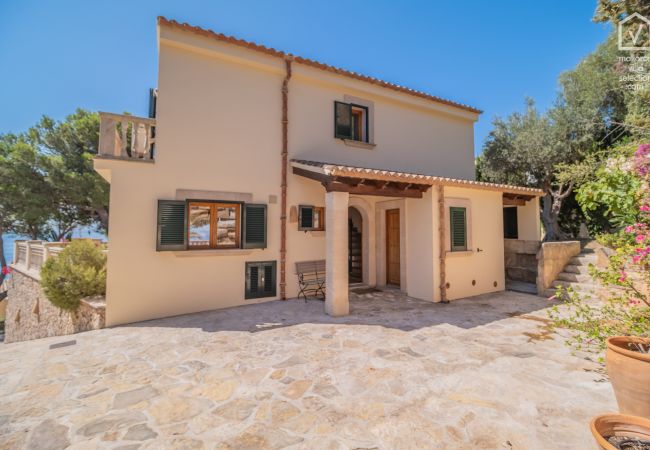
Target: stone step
575	277
548	293
583	260
571	268
573	284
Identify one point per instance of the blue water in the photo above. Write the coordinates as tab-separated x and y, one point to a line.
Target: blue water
78	233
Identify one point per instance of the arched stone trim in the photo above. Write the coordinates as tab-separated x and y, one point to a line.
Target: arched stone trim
367	239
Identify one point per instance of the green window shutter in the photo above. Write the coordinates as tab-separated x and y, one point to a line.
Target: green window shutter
261	279
172	225
305	217
342	120
458	228
153	97
254	226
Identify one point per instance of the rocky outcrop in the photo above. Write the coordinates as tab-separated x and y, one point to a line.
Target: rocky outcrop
30	315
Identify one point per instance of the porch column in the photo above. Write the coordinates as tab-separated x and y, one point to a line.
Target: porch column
336	253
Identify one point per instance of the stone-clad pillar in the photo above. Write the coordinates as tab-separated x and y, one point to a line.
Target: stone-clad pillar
336	253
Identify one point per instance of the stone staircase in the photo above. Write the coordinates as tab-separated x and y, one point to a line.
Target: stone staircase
576	273
354	254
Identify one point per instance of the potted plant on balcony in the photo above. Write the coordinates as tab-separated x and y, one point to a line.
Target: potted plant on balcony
621	432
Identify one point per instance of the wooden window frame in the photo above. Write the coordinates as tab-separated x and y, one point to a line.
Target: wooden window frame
214	205
315	209
362	111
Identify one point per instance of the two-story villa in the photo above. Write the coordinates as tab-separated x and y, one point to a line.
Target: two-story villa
257	159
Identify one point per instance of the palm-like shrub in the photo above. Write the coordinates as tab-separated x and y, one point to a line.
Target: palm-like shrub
78	271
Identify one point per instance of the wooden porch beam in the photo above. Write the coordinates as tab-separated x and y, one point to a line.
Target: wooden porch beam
363	189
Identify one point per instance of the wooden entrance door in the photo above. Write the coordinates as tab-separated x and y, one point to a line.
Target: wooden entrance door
392	247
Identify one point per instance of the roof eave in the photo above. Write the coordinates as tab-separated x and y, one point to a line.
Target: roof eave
309	62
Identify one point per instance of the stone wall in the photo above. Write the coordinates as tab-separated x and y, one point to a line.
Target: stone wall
521	259
552	258
30	315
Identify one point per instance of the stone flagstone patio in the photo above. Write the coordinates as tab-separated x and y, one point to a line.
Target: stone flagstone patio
479	373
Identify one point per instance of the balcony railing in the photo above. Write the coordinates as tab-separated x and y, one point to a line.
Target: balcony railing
29	256
126	137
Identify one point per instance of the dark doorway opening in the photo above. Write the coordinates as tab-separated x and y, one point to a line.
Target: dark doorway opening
510	225
355	251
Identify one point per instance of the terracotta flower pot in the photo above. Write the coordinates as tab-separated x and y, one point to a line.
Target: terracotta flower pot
629	372
603	427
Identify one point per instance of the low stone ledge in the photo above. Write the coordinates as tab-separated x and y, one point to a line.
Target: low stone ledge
552	258
30	315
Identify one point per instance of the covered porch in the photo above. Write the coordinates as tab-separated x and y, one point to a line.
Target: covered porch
391	229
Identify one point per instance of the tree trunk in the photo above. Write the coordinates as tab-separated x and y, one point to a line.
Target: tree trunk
102	214
3	261
552	205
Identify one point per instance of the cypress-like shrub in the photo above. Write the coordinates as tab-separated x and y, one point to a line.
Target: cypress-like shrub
78	271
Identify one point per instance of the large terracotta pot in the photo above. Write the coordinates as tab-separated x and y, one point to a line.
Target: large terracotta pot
603	427
629	372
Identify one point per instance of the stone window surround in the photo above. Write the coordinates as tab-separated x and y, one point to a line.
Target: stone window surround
459	203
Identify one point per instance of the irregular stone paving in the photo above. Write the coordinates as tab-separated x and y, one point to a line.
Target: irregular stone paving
398	373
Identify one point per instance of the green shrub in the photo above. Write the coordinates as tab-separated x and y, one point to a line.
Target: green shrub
78	271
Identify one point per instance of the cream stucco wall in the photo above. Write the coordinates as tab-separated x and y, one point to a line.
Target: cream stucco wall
219	130
528	221
486	266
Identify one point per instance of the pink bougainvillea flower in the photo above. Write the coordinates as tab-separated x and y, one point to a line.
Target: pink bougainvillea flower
6	270
623	277
629	229
645	208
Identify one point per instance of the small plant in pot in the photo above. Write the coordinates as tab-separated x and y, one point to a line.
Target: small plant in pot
621	432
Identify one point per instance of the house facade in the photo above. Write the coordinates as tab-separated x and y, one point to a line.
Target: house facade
257	160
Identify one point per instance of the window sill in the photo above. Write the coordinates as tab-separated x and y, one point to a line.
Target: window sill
449	253
359	144
213	252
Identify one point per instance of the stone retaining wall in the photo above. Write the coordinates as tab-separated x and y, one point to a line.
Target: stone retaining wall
30	315
521	259
552	258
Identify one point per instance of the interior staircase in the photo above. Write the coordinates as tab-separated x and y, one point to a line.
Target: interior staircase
576	273
354	254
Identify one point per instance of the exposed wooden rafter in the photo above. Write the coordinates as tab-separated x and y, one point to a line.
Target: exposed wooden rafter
516	199
361	186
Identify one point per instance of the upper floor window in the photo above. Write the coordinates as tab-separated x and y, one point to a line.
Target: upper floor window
351	122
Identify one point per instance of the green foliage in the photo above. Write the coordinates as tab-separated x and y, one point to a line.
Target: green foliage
626	278
523	149
592	323
614	192
615	10
48	184
78	271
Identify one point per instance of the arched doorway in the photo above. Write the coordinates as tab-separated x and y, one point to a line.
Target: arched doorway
355	245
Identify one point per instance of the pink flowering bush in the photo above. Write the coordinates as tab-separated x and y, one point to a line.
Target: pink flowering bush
626	279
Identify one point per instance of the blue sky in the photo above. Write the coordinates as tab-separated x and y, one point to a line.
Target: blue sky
59	55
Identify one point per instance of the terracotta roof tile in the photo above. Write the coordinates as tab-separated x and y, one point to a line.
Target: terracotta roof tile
310	62
390	175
